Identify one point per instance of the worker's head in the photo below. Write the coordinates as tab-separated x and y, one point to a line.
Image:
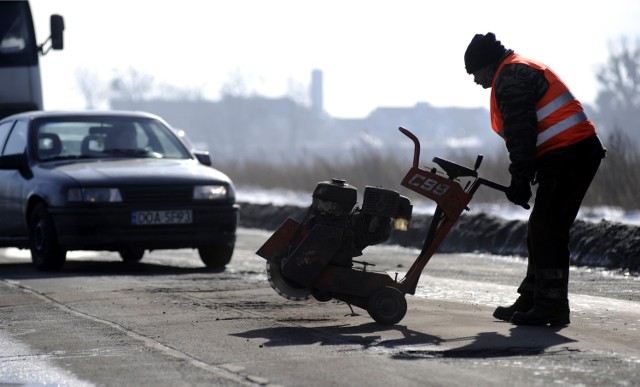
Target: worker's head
482	53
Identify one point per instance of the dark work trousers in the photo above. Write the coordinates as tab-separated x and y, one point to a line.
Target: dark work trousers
563	179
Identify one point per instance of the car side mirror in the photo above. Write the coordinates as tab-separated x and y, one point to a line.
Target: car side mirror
17	161
203	157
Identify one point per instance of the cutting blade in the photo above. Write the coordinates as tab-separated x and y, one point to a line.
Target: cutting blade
284	287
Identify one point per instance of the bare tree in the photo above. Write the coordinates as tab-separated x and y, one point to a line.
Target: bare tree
92	88
298	92
131	85
618	180
240	85
174	93
618	100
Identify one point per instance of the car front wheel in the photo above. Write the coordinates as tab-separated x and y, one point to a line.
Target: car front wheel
131	255
216	256
46	254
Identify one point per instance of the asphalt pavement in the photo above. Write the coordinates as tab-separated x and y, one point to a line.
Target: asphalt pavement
168	321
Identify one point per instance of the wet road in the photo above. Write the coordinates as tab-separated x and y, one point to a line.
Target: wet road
167	321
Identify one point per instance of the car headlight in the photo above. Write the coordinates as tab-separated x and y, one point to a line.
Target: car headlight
94	195
212	192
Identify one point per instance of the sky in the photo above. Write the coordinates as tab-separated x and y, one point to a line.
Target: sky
372	53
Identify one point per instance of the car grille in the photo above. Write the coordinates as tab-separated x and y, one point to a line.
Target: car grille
157	194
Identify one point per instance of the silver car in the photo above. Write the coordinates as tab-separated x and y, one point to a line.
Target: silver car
117	181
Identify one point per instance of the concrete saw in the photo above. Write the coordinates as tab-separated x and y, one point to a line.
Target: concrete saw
313	257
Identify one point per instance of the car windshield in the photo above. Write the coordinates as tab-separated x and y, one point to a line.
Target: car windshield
106	137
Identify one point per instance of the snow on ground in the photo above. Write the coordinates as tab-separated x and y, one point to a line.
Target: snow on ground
602	237
281	197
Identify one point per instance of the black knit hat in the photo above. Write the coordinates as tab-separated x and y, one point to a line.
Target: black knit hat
483	51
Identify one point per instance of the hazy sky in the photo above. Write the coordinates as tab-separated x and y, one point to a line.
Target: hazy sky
372	53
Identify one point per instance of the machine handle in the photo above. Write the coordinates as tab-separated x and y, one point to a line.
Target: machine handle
479	181
499	187
492	184
416	144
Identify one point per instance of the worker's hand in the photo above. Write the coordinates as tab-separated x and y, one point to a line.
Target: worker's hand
519	193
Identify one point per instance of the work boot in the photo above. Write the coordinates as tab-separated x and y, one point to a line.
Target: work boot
522	304
539	315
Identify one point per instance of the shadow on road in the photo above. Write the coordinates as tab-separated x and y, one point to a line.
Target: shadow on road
76	268
367	335
522	340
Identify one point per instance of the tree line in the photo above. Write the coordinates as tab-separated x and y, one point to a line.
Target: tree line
616	185
617	117
616	113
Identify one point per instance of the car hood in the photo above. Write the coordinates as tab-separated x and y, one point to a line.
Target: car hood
139	171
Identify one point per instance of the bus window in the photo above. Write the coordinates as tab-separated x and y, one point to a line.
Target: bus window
18	45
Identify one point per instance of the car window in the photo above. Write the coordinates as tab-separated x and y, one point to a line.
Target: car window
5	127
106	137
17	141
163	140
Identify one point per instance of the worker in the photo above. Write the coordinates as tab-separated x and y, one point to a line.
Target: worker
551	144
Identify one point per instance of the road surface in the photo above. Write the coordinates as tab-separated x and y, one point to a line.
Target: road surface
168	322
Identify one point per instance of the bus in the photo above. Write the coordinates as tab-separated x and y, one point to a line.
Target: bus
21	88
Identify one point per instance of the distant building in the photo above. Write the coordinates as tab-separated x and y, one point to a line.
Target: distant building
317	102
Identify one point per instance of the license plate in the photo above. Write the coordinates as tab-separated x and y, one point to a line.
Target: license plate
140	218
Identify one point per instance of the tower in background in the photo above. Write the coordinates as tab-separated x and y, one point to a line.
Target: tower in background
317	104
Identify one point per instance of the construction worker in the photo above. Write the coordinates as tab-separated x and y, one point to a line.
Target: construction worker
551	143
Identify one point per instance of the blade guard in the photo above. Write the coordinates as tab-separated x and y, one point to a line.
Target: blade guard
284	239
314	253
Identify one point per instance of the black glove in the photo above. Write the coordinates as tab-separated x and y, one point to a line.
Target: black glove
519	193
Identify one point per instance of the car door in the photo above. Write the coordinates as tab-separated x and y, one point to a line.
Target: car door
12	182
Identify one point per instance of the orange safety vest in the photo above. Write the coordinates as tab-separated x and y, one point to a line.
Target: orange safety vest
561	118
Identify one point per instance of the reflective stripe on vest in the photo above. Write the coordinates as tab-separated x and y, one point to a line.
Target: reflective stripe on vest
560	127
554	105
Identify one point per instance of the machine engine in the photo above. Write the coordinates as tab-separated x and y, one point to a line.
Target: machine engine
333	231
334	205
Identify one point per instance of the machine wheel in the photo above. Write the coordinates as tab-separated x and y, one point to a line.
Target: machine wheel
46	254
387	305
321	296
283	286
131	255
216	256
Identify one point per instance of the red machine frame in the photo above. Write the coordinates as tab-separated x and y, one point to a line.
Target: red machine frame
378	293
